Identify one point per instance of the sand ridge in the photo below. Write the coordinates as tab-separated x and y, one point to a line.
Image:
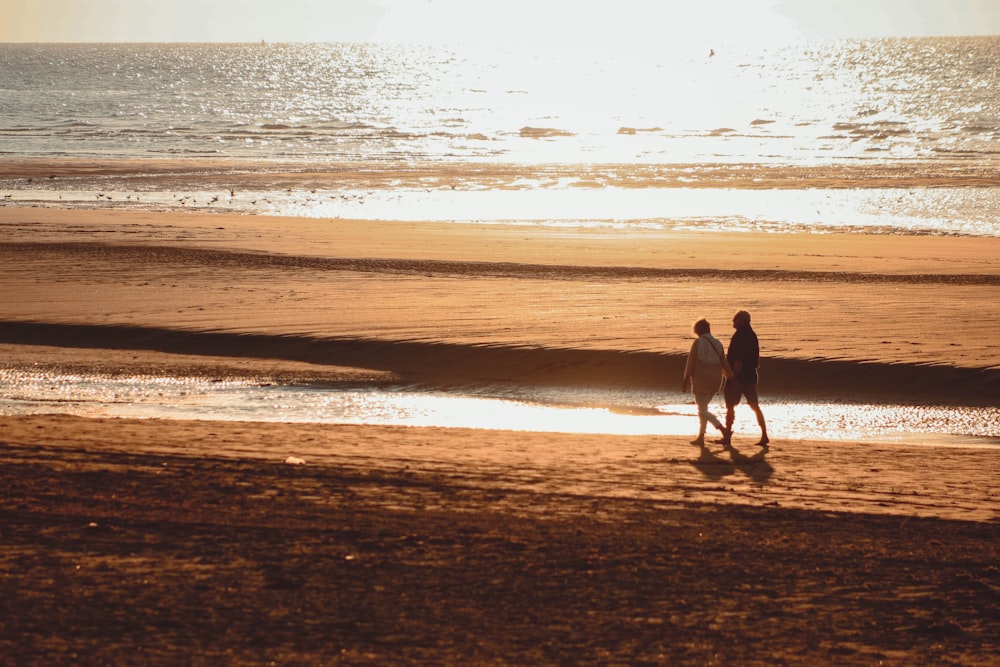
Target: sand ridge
915	301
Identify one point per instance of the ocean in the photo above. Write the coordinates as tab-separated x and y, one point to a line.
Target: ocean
895	136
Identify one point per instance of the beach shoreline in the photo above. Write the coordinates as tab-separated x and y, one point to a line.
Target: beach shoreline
208	173
215	256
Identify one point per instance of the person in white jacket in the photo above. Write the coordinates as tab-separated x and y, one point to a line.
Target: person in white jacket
703	373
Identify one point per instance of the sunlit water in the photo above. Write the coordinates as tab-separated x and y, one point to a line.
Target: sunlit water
577	410
803	102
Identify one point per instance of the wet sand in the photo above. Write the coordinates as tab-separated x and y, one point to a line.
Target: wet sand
838	315
164	542
224	173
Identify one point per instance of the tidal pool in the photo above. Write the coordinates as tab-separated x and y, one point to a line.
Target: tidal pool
567	410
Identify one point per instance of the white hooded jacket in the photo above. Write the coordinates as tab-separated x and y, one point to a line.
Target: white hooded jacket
705	363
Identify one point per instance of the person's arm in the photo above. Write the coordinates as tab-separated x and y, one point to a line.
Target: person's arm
737	353
689	367
754	357
726	367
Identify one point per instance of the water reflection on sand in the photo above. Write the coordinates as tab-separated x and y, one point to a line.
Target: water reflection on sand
940	210
567	410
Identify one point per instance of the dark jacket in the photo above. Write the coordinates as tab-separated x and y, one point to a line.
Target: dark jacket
744	347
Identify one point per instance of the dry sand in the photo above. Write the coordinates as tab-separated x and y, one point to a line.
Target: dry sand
193	542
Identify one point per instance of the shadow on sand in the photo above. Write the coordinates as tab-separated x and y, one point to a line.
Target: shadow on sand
716	466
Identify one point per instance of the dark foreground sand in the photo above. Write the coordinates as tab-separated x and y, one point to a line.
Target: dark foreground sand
168	542
112	557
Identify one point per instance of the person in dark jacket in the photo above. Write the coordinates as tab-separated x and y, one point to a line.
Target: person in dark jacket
744	357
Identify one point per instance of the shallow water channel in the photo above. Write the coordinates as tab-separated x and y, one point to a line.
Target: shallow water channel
570	410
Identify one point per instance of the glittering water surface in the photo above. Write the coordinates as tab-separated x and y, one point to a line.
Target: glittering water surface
574	410
804	102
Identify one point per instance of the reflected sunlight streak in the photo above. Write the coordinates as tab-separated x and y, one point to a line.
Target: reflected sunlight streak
568	410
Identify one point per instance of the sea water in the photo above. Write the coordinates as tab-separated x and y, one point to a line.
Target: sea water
807	102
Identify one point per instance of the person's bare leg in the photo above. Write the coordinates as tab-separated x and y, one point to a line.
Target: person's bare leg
704	417
732	400
754	403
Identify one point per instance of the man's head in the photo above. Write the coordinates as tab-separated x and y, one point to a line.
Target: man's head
741	319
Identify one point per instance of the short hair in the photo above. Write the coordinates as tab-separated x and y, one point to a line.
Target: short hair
702	327
742	315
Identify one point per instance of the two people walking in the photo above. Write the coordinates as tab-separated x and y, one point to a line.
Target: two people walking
707	365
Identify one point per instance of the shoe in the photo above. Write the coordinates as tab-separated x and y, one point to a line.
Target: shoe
698	442
763	442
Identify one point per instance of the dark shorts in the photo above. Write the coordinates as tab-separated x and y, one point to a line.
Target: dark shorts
736	390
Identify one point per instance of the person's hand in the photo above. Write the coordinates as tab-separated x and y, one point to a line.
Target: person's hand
686	385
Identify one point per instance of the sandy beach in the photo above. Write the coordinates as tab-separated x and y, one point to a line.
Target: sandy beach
158	542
